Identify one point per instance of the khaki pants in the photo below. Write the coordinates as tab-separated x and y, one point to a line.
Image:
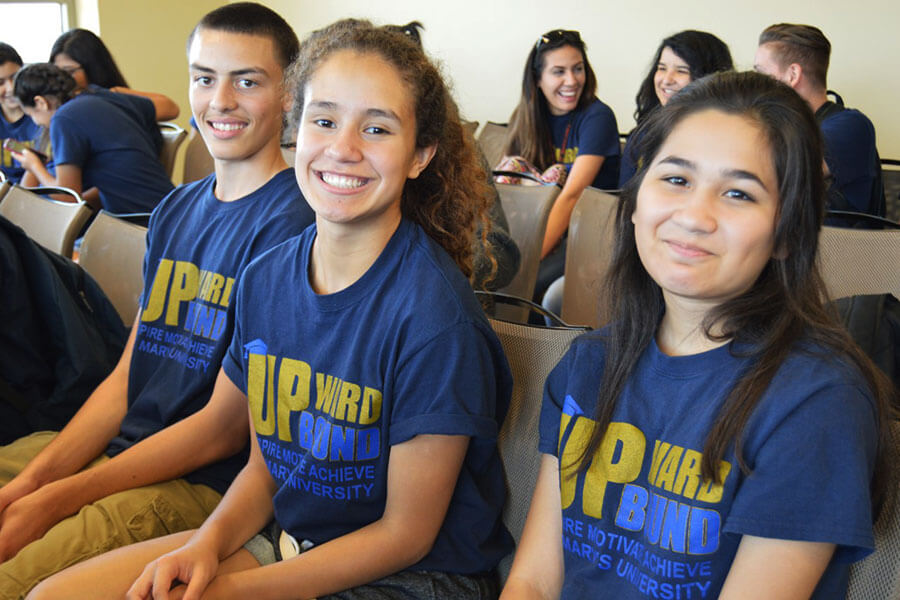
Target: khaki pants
111	522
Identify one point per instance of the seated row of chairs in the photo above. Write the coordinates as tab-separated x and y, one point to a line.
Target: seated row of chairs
492	137
112	250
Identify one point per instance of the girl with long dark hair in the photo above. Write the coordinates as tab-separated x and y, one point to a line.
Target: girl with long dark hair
559	120
723	436
680	59
85	57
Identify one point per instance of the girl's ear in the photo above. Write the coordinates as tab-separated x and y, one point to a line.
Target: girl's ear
780	252
421	158
287	101
41	103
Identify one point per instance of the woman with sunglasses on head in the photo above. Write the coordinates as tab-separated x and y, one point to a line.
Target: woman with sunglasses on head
723	437
560	120
85	57
680	59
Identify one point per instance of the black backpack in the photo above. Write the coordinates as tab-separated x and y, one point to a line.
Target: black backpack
59	336
835	199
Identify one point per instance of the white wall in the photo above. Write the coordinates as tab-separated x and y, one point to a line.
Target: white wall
483	44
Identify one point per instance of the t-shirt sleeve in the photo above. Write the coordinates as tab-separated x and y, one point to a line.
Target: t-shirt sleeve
553	404
598	133
811	477
449	386
233	362
70	147
849	138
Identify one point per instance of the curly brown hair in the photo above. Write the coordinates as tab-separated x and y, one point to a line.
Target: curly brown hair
451	196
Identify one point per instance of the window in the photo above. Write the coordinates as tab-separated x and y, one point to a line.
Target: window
32	27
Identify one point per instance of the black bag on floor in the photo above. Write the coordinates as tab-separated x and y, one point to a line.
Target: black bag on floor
59	336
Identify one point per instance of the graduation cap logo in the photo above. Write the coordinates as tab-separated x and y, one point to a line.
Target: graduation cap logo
257	346
571	408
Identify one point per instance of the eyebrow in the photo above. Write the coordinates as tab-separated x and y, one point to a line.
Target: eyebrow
730	173
235	73
580	63
372	112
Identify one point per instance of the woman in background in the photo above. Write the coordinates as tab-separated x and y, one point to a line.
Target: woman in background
559	120
86	58
680	59
101	149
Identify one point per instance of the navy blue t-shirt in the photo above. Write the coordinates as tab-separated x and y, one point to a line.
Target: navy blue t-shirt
116	152
851	156
24	130
139	108
641	523
197	249
334	381
592	131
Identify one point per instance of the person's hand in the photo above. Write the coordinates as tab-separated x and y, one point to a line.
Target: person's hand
193	564
19	487
28	159
27	519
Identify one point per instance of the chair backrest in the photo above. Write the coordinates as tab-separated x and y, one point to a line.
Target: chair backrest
172	136
470	127
112	252
878	576
532	353
860	261
198	162
527	209
491	140
51	223
589	249
890	177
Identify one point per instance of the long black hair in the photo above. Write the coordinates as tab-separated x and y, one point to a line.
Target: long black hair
703	52
91	53
529	128
784	306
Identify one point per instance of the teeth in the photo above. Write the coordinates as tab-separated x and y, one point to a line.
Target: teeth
227	126
343	181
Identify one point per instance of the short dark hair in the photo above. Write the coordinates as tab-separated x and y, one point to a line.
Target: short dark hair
43	79
9	54
89	51
802	44
251	18
703	52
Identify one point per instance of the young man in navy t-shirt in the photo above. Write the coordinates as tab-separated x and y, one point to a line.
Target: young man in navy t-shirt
147	454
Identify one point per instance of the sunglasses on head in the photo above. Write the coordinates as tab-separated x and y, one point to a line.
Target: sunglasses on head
558	35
